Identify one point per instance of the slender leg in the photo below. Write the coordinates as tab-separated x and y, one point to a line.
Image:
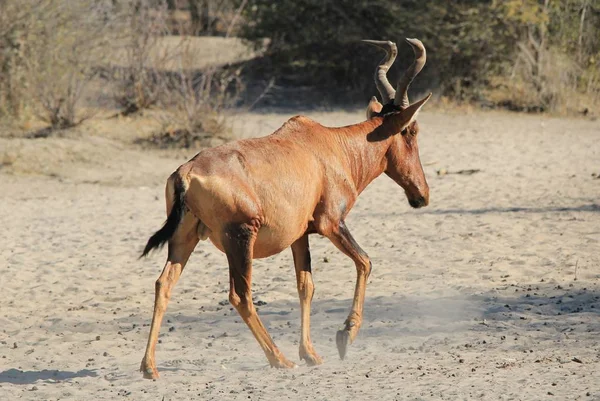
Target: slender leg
180	249
344	241
239	245
306	289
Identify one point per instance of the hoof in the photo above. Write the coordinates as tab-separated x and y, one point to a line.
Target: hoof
149	372
311	358
283	364
342	339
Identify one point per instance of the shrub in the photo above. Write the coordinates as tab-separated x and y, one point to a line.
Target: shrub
471	45
49	49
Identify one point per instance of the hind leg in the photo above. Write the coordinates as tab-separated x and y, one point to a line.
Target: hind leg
181	247
239	244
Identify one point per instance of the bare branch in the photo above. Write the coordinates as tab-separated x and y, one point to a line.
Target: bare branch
235	18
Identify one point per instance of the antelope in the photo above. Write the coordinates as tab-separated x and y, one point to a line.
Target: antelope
255	197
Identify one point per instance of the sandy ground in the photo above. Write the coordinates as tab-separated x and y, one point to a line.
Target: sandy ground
492	292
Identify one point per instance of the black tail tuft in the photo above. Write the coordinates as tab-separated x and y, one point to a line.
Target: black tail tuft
168	229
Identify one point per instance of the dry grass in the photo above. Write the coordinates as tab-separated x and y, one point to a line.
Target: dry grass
50	49
64	62
557	85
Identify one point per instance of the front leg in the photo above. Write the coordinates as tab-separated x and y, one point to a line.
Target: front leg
306	289
343	240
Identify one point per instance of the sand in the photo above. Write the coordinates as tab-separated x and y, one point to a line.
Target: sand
491	292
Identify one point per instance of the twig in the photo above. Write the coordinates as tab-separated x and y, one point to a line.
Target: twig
235	18
270	85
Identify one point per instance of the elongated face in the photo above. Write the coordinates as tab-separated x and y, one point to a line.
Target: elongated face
403	163
404	166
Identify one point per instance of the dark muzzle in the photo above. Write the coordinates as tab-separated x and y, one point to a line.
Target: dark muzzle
419	202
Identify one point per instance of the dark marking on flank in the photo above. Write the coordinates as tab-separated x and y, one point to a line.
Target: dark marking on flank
239	235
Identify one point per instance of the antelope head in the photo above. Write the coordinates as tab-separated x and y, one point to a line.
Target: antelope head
403	163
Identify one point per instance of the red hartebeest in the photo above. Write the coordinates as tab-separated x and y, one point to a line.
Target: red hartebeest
255	197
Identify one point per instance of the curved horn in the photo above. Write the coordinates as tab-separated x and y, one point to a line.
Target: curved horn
401	98
383	85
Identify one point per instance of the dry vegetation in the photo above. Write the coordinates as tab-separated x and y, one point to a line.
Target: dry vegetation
62	63
525	55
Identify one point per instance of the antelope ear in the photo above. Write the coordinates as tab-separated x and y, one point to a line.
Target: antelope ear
373	108
404	118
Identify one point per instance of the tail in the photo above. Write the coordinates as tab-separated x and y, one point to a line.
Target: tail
168	229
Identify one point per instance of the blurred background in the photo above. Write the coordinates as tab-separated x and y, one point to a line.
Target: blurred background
63	62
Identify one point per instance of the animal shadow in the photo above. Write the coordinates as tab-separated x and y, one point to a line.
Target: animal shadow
17	376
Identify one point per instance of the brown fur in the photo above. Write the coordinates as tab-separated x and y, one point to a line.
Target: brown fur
253	198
